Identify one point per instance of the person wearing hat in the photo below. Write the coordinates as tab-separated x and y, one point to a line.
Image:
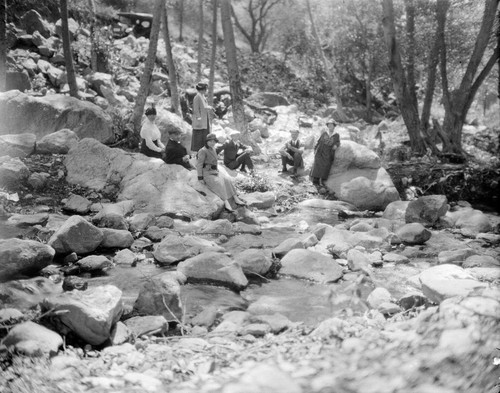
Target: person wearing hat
236	154
175	152
202	117
291	153
151	144
208	173
324	153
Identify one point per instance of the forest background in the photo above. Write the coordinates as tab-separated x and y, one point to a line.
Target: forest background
434	62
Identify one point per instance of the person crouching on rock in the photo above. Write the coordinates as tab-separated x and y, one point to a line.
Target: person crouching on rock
291	154
324	153
175	152
151	144
236	154
208	173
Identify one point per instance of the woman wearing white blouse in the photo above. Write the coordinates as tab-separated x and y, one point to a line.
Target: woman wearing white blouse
151	144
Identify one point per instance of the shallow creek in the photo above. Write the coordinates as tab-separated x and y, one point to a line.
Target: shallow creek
299	300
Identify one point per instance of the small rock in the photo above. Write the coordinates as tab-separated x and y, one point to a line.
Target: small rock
150	325
71	283
124	257
414	233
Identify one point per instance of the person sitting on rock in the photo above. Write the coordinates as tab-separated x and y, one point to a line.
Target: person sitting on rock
208	173
291	153
175	152
151	144
236	154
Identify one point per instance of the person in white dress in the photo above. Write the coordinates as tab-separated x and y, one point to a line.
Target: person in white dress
151	144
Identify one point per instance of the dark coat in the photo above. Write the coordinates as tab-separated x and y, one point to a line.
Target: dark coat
174	151
230	149
324	153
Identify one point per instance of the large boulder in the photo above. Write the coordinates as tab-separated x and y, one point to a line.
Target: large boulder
168	121
214	267
154	186
357	177
32	339
413	233
396	211
427	209
89	314
470	221
76	235
116	238
23	257
445	281
173	248
21	113
17	80
254	261
99	79
311	265
32	21
160	295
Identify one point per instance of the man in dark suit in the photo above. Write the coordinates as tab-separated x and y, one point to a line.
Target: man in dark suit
291	153
175	152
236	154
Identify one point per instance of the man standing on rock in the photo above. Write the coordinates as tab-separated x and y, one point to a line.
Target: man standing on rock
291	154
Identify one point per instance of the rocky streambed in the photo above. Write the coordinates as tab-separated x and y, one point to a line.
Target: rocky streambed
292	293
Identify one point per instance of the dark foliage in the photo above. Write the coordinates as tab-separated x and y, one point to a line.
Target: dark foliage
49	9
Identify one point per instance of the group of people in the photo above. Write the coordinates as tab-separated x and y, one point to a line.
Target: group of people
236	155
324	154
203	144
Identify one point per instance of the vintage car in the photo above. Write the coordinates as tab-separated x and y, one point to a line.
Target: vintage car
138	24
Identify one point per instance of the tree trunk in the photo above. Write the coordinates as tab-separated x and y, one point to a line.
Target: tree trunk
3	44
213	54
431	81
368	88
457	102
200	42
407	104
148	65
181	19
93	53
233	71
498	46
332	79
410	36
68	55
172	72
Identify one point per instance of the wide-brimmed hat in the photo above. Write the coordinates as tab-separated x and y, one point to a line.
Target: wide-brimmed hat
150	111
211	137
174	131
331	121
234	132
294	131
201	86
